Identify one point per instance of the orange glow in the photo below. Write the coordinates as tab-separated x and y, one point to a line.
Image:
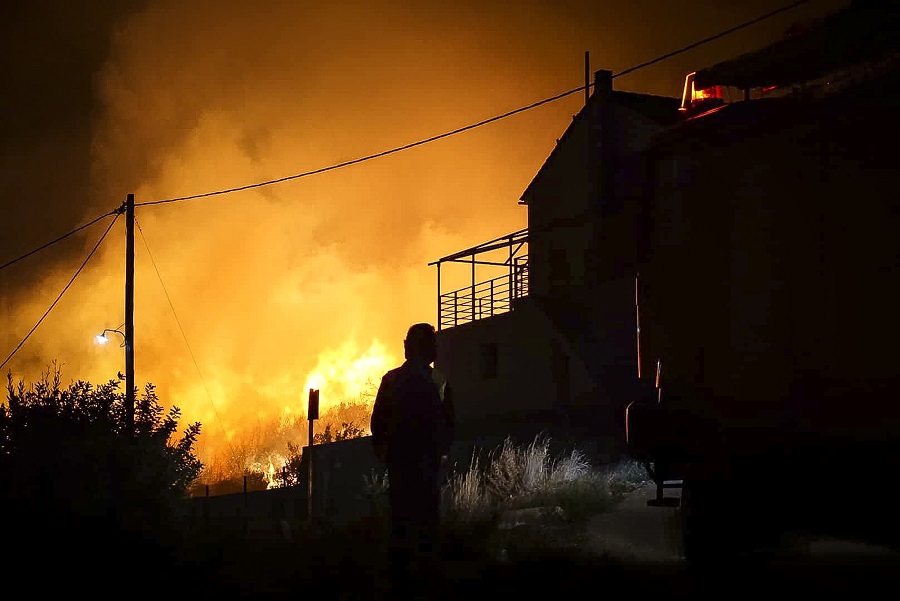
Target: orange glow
345	373
312	282
711	93
694	98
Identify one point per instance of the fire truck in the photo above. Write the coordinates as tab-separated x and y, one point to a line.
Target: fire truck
767	296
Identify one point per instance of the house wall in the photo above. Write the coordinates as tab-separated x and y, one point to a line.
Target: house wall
582	211
617	238
582	255
559	233
537	377
523	379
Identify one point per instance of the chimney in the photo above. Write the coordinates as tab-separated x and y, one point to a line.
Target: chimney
603	82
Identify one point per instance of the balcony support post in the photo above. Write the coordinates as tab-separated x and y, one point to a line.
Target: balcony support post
473	286
439	295
511	282
492	298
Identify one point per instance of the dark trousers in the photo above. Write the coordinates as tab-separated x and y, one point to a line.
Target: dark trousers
415	516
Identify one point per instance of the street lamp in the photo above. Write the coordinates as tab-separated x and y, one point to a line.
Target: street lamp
102	339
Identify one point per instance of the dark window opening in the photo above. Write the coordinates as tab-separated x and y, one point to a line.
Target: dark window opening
489	360
559	267
561	377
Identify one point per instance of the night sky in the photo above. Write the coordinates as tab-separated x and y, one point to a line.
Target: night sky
318	275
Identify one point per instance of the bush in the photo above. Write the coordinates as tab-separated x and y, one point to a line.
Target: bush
521	477
516	477
72	472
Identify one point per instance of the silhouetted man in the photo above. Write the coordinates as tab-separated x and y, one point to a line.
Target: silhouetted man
412	428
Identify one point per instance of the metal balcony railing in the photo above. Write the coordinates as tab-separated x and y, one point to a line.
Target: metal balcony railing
484	299
507	257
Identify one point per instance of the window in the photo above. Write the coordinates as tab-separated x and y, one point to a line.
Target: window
559	267
559	364
489	360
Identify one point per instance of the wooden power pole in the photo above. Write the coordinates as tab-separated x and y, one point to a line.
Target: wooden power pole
587	76
129	313
312	413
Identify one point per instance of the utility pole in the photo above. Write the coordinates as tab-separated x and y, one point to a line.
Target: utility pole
312	413
129	312
587	76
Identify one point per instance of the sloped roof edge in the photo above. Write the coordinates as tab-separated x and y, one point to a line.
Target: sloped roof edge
662	109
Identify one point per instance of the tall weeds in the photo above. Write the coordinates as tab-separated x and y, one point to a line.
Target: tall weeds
515	477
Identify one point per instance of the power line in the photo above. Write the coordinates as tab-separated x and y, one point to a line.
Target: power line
60	239
473	125
183	335
77	272
459	130
371	156
712	37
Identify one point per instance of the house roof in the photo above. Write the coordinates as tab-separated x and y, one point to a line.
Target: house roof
862	31
662	109
868	99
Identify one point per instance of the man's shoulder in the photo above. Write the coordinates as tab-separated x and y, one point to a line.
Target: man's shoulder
391	375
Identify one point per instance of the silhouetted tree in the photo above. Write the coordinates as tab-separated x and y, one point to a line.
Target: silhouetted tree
71	474
347	431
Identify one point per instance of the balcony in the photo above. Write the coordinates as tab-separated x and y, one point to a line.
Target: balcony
506	257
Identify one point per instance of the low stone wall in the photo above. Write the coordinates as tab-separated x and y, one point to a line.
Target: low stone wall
342	472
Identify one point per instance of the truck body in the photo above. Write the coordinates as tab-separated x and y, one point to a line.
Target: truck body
767	300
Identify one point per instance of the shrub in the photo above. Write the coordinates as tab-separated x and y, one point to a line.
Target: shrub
521	477
375	489
73	471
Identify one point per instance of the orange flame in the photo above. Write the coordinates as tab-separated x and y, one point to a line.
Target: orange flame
344	373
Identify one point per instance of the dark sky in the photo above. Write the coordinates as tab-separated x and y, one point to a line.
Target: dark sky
319	276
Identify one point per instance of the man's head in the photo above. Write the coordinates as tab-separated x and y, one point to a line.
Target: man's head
421	343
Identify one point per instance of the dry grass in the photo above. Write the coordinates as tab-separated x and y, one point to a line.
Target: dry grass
562	490
525	476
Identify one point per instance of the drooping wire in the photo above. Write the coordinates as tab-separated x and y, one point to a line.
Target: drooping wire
60	239
77	272
370	156
183	335
711	38
473	125
432	138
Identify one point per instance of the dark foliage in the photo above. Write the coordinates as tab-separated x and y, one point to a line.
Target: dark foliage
73	478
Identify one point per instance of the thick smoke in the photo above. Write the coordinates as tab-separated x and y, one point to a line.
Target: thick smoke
276	283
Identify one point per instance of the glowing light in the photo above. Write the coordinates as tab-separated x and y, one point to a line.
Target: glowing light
715	92
101	339
271	473
345	373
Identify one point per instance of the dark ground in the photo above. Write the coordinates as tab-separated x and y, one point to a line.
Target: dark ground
262	576
630	550
623	552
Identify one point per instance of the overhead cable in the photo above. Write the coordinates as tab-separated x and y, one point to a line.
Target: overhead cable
459	130
47	312
711	38
60	239
183	335
473	125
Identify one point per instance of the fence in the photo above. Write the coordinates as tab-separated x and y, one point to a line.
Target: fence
484	299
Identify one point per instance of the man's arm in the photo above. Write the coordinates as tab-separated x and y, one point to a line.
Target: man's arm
449	419
379	421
